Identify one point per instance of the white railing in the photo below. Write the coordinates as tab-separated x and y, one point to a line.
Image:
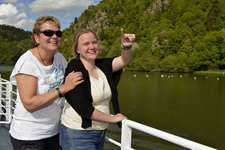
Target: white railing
7	100
128	125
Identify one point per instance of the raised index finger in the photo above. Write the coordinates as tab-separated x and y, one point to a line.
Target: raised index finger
122	33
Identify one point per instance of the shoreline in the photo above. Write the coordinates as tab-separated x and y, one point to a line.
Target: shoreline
211	72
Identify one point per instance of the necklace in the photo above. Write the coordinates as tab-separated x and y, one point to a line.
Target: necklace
41	57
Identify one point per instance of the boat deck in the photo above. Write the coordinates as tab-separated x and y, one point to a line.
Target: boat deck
5	143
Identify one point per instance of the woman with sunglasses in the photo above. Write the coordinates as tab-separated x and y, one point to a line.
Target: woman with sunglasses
86	114
39	75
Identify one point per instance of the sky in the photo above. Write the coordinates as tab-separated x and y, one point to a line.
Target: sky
23	13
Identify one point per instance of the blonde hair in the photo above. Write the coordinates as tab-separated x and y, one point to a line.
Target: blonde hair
76	37
40	21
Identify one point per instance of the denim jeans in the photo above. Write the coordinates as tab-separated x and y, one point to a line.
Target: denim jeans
71	139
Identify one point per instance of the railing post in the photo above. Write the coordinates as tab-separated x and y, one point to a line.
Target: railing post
0	96
9	111
0	89
125	136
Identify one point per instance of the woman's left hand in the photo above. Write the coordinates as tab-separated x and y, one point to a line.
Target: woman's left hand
127	40
118	117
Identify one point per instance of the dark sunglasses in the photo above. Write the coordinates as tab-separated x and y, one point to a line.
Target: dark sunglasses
51	33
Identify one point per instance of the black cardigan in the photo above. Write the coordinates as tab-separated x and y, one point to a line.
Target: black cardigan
80	97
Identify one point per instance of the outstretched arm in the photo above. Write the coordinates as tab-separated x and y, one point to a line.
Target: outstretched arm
126	56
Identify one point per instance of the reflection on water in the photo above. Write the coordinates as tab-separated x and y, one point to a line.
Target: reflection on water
188	106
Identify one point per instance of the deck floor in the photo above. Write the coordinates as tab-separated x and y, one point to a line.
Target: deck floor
5	143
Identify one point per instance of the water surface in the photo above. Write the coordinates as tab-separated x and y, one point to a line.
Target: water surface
186	105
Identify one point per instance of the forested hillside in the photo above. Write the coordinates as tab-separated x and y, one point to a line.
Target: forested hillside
13	43
172	35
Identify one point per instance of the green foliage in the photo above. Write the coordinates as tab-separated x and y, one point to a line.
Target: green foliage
12	33
172	35
66	47
14	42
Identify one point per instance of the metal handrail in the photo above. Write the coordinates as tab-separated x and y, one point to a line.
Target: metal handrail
6	99
128	125
126	134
